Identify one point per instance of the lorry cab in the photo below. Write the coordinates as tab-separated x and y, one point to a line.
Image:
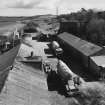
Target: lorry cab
59	52
56	48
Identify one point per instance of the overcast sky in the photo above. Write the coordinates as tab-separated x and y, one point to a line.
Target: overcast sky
36	7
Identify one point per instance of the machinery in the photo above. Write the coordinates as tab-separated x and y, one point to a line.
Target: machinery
70	80
56	48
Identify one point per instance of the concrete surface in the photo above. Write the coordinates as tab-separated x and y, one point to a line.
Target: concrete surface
26	85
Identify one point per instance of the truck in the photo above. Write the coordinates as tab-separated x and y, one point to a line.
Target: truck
57	50
69	80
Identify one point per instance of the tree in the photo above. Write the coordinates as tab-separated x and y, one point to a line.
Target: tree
31	27
96	30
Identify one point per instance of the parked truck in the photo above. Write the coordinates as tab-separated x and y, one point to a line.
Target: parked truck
70	80
57	50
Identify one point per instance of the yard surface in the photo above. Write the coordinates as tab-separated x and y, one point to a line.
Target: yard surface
27	85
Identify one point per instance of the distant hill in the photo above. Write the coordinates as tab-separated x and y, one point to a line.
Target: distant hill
21	18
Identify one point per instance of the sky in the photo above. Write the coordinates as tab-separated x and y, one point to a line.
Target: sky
40	7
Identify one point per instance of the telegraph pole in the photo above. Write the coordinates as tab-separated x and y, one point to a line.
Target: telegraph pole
57	11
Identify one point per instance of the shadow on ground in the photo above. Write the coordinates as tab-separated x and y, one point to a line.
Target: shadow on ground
54	83
47	51
52	56
35	65
43	39
3	79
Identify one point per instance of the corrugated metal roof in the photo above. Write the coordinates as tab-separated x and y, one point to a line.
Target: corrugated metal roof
82	46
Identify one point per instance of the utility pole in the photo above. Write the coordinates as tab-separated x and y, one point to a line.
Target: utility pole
57	10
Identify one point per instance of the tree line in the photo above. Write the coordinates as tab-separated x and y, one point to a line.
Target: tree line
92	24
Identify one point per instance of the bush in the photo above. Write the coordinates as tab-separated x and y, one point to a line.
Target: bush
96	30
31	27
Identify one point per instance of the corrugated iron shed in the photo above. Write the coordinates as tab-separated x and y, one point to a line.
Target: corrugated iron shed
82	46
